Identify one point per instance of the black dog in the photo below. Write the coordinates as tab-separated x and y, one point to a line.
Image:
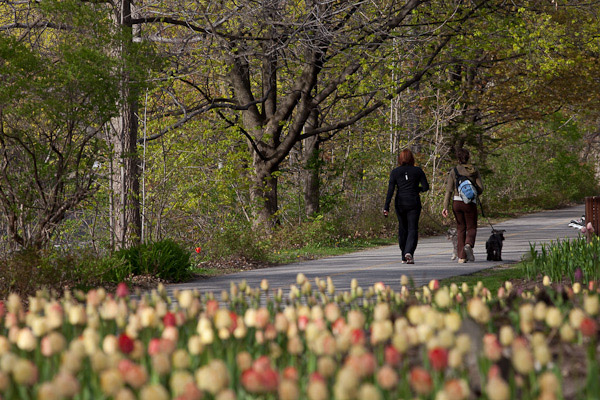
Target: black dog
494	245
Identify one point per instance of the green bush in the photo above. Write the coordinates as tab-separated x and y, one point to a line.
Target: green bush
164	259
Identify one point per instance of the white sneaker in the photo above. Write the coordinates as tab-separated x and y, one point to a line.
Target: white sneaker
469	253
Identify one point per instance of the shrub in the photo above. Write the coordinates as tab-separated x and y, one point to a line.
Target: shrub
164	259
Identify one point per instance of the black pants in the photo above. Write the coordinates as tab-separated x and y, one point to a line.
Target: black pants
408	228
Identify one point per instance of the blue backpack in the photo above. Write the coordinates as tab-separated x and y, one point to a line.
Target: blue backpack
465	188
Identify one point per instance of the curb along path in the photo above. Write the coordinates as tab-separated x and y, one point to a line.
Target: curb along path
432	258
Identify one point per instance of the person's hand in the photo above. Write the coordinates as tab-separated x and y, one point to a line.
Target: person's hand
445	213
385	213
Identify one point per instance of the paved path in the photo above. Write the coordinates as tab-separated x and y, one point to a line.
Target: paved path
432	258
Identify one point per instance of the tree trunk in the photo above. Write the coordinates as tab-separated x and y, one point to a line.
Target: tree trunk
264	195
125	178
126	221
312	168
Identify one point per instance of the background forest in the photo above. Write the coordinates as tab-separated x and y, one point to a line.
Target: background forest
135	132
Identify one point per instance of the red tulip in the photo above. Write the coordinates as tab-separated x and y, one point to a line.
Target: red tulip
169	319
125	343
438	357
198	249
588	327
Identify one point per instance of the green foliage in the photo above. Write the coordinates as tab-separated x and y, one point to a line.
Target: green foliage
235	240
560	259
164	259
540	170
29	270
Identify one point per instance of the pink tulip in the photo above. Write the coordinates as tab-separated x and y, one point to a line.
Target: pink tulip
392	356
122	290
211	308
420	381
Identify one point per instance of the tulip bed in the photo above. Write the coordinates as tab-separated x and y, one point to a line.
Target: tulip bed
443	343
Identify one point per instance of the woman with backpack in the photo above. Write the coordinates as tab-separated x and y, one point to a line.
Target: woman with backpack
464	203
409	181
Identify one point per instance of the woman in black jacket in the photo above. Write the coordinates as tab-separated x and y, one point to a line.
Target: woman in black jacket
409	181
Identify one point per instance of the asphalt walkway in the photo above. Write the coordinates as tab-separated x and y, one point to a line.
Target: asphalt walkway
432	258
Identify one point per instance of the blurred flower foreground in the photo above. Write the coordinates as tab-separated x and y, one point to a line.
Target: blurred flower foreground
434	342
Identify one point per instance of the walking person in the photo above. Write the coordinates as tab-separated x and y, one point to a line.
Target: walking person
464	213
408	181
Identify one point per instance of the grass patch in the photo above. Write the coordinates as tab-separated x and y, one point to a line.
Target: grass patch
492	278
207	271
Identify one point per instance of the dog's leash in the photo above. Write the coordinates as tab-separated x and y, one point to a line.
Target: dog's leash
484	216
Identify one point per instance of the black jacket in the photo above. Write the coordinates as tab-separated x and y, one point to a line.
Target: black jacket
409	181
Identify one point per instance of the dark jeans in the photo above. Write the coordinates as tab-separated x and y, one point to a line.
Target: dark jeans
466	225
408	228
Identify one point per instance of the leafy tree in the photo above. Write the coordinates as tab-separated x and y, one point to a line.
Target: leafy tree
51	116
280	62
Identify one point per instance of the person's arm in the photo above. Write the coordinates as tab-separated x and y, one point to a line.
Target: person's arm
390	193
424	183
449	192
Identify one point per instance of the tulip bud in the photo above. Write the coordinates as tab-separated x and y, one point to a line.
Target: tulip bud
497	389
26	340
576	315
161	364
554	317
317	390
288	390
420	380
48	391
179	380
154	391
25	372
522	360
66	385
591	304
387	378
567	333
506	335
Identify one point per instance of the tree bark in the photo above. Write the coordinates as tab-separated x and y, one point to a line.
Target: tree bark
126	221
264	195
312	169
312	182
